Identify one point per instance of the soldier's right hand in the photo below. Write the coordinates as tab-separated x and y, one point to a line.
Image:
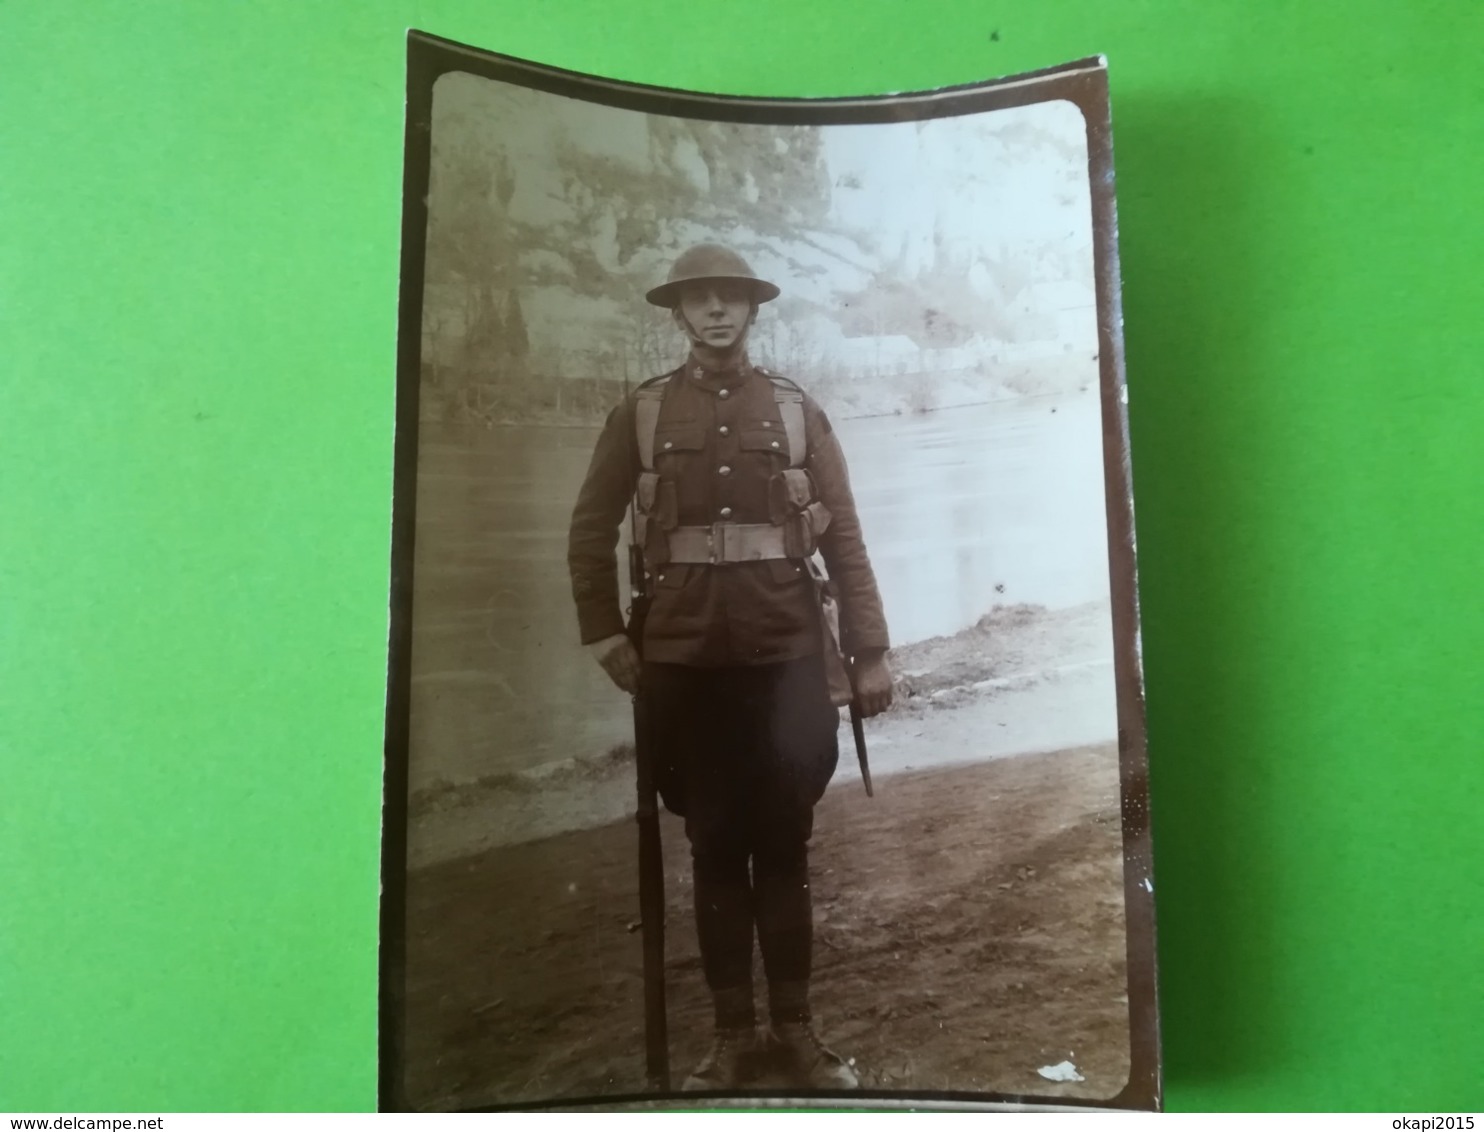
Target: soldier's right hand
620	659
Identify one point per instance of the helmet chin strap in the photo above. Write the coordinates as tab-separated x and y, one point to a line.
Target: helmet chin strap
727	357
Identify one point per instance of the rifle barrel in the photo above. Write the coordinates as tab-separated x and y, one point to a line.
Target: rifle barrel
651	907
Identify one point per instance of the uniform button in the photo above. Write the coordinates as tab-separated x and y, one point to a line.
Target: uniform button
775	444
671	444
724	470
726	512
767	424
725	393
660	577
725	431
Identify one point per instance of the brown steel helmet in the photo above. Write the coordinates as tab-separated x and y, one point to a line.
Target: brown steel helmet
709	261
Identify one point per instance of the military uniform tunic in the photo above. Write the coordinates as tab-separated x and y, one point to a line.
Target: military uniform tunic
739	719
719	441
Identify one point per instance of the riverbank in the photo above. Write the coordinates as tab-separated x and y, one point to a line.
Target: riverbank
843	398
969	932
1022	679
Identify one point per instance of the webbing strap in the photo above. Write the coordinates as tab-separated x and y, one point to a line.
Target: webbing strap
791	409
646	420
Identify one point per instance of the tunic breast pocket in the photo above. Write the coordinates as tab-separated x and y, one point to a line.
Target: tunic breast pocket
670	438
675	445
764	437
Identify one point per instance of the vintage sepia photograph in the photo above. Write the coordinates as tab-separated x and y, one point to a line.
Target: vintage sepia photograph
765	716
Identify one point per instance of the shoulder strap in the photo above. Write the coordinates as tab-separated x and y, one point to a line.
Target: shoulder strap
647	400
790	400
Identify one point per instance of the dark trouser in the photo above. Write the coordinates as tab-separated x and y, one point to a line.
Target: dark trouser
743	754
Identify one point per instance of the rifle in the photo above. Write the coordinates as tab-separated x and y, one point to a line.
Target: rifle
651	860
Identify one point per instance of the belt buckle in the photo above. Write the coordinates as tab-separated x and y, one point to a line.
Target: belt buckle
719	542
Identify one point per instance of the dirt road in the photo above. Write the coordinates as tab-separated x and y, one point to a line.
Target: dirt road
969	931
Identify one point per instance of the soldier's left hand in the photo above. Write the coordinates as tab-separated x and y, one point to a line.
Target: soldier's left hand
872	684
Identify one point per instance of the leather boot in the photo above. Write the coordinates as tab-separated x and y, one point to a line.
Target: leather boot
809	1063
729	1064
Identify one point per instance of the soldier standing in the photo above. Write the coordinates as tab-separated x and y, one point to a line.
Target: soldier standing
738	480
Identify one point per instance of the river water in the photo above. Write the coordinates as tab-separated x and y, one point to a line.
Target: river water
962	509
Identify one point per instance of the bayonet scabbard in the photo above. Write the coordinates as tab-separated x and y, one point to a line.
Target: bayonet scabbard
858	729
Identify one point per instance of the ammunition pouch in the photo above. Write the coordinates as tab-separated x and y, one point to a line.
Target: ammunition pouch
818	516
656	545
793	506
789	492
798	538
796	521
655	500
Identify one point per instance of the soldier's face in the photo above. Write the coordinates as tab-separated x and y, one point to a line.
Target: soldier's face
717	312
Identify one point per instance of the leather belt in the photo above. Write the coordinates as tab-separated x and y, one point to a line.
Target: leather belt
726	542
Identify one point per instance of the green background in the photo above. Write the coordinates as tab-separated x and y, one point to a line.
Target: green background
198	288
